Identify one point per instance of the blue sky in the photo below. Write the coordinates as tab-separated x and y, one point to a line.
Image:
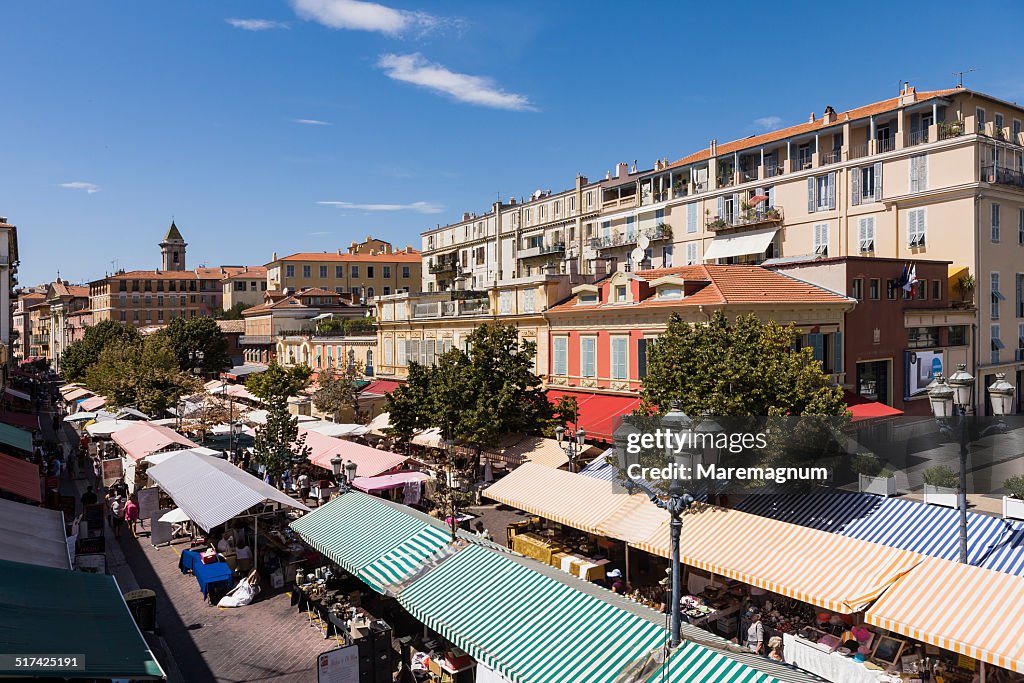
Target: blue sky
290	125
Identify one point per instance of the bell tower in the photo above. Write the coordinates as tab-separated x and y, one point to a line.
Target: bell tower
172	249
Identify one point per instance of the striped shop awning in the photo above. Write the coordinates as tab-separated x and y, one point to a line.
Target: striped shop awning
931	530
840	574
404	560
691	663
532	628
957	607
570	499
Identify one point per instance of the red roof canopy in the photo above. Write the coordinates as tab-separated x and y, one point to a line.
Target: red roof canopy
599	414
865	409
21	478
381	386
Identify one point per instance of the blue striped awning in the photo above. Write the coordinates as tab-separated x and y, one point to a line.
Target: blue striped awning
992	542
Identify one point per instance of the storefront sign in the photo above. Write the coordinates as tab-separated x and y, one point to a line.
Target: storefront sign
112	471
338	666
921	368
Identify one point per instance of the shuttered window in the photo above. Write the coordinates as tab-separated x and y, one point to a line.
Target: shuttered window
996	232
821	193
691	217
388	351
401	353
692	255
919	173
917	228
620	357
561	356
588	357
821	239
866	234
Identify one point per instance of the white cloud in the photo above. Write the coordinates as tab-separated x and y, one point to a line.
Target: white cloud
317	234
311	122
478	90
418	207
79	185
256	24
356	15
767	123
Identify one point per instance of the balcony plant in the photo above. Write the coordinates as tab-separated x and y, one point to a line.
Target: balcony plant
940	486
873	477
1013	504
717	224
773	213
965	285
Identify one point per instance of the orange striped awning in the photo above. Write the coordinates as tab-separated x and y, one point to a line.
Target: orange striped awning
570	499
635	521
957	607
828	570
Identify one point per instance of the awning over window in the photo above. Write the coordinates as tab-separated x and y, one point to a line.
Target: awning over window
599	414
17	394
33	535
47	610
957	607
743	244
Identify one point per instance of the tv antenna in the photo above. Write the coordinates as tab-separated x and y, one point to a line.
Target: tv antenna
113	265
960	77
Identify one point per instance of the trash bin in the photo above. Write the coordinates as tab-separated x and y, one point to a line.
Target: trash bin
142	605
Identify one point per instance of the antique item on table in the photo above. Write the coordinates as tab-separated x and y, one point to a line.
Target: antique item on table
812	634
829	642
888	649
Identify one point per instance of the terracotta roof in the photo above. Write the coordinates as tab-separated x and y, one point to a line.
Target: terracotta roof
890	104
411	256
316	291
231	326
724	285
197	274
248	272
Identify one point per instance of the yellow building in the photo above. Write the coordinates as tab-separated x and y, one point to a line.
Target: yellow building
245	287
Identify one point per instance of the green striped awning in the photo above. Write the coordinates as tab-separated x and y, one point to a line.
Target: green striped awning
525	625
367	535
18	438
693	663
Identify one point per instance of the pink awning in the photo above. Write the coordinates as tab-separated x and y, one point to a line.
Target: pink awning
21	478
93	403
144	438
370	462
387	481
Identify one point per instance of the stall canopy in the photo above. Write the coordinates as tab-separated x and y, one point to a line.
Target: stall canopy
92	403
235	391
374	539
128	413
334	428
428	438
210	490
33	535
47	610
957	607
76	394
140	439
22	420
931	530
108	427
244	370
158	458
840	574
18	438
378	424
743	244
17	394
387	481
540	450
599	414
862	409
21	478
369	461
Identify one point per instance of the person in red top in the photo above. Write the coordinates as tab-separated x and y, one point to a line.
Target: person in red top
131	516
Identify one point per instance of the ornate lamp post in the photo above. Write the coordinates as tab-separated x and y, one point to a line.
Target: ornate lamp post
344	480
948	398
572	443
1001	394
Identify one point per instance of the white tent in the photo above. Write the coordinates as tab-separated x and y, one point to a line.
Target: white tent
33	535
378	424
335	429
158	458
175	516
108	427
80	417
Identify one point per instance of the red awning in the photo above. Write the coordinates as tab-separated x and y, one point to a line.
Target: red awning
23	420
21	478
381	386
599	414
864	409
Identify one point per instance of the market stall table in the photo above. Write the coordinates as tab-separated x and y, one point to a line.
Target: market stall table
831	666
209	576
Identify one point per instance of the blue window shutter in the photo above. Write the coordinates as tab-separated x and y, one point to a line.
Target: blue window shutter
811	198
837	339
817	343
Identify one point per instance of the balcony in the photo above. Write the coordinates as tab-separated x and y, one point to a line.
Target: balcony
917	137
542	250
452	309
951	129
831	157
1002	176
255	340
859	151
658	232
746	219
445	266
883	145
772	170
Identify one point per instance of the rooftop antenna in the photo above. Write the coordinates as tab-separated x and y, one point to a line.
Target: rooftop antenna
113	265
960	77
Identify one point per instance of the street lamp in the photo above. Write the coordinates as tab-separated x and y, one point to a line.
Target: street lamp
1001	394
344	480
949	398
572	443
676	502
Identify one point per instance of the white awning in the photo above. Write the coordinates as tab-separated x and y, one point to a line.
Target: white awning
33	535
323	316
753	242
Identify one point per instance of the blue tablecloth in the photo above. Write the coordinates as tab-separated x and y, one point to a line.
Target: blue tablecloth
208	575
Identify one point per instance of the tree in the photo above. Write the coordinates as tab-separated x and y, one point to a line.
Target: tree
195	336
279	445
747	368
409	405
81	354
337	391
233	313
277	381
141	374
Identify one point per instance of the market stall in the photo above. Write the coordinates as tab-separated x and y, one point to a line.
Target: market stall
34	535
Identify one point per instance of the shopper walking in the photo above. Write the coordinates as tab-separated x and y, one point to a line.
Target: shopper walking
131	516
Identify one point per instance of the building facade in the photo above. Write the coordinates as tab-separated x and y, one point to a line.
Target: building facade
8	281
245	287
21	325
64	300
366	270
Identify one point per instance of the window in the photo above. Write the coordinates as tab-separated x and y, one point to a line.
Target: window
919	173
588	356
590	199
670	293
936	290
691	253
995	222
999	123
917	226
387	272
323	271
997	344
529	301
400	357
307	271
356	292
867	184
1020	226
355	271
641	356
526	215
956	335
666	256
1016	131
505	302
874	287
560	364
369	292
1020	342
629	228
821	239
557	208
620	357
405	272
541	212
979	114
996	295
691	217
620	294
124	316
921	287
572	204
890	289
866	234
821	193
387	290
135	299
588	299
922	337
857	289
369	271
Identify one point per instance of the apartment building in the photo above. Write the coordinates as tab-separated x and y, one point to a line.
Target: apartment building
421	327
64	300
365	270
37	329
8	280
21	325
245	287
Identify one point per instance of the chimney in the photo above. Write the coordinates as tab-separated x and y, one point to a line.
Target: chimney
621	169
829	116
607	175
466	215
713	147
811	118
273	257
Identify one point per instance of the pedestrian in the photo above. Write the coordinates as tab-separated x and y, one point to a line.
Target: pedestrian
755	634
243	555
775	649
303	483
116	513
286	480
88	498
131	516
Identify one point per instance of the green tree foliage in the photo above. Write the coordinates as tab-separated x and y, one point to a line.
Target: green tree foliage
141	374
346	325
337	391
189	338
279	382
746	368
279	445
81	354
410	404
233	313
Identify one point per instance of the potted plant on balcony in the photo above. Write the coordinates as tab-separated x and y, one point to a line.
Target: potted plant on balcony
663	230
773	213
872	476
965	285
1013	504
940	486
